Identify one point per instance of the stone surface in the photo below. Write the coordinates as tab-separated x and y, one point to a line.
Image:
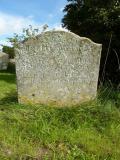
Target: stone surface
58	68
4	59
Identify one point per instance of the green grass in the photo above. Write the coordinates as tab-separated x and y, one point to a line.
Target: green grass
90	131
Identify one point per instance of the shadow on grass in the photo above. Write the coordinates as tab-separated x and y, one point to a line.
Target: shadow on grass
7	77
9	98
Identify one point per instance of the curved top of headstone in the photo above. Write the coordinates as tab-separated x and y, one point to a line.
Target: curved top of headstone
60	32
2	54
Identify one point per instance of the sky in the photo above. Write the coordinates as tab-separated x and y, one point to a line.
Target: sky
18	14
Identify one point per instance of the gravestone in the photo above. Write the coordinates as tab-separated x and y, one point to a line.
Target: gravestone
57	68
4	59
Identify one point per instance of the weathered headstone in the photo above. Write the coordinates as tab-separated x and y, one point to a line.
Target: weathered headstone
57	67
4	59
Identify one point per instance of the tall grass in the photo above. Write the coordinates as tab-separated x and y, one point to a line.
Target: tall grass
90	131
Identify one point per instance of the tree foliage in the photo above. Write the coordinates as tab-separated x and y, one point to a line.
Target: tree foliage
26	33
9	50
100	21
29	32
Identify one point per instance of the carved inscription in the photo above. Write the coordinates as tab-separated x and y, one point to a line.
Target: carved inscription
57	67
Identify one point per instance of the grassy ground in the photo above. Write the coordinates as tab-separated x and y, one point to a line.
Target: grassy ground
88	132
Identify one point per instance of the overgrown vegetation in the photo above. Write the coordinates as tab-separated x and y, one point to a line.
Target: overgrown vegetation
90	131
